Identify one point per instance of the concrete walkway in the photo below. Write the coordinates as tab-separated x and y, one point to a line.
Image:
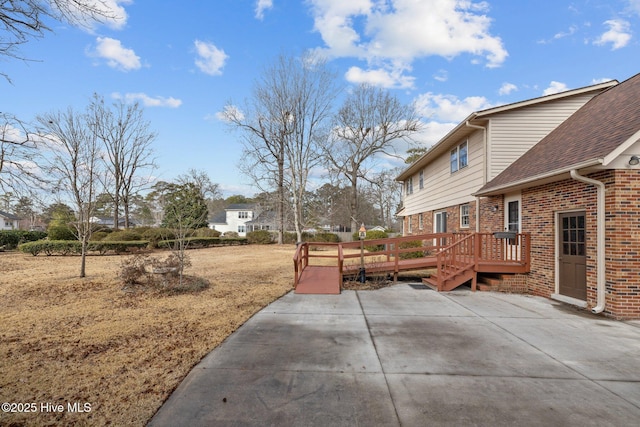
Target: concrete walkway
408	356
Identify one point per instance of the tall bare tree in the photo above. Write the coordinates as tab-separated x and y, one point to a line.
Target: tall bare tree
74	164
283	125
23	20
127	139
367	125
19	157
209	190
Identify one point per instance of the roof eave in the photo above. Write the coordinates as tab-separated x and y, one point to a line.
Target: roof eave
540	179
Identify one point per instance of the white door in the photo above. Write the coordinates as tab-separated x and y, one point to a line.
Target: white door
512	222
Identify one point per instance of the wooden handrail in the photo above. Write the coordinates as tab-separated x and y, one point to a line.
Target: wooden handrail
454	252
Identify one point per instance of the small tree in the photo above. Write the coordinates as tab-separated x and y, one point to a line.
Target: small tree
184	213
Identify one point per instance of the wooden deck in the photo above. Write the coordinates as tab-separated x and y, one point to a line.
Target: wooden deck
317	279
455	257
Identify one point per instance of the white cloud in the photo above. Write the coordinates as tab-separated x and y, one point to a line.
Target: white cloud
396	32
383	78
448	108
634	5
618	35
227	112
555	87
117	56
210	59
441	76
261	6
507	88
110	13
147	100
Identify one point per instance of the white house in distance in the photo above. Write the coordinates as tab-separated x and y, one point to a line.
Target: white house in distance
234	218
8	221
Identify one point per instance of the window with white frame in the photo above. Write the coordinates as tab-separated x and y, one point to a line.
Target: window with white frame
459	157
409	226
243	215
464	216
409	186
241	229
420	222
421	180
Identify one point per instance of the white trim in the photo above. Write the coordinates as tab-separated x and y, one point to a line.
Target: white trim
512	198
556	258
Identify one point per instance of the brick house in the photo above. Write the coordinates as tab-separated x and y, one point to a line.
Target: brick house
573	189
578	193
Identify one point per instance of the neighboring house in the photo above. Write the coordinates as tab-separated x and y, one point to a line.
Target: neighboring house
8	221
234	218
265	220
108	221
574	190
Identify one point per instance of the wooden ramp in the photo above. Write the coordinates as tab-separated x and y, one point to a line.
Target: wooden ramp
319	280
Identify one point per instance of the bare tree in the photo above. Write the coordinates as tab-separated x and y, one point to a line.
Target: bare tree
283	125
74	164
19	157
385	193
366	126
23	20
127	141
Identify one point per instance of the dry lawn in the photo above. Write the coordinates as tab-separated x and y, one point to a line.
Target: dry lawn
65	340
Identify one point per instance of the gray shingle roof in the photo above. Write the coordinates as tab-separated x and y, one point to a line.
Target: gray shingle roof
591	133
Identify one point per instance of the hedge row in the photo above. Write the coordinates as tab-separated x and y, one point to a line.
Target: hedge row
204	242
71	247
10	239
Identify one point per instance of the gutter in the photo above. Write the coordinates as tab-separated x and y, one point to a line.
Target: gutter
484	168
600	243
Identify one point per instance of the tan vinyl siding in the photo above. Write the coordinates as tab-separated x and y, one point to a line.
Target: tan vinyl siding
443	188
512	133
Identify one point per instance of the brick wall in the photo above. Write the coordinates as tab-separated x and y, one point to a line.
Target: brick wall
539	208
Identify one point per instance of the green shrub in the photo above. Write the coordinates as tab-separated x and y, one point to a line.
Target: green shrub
372	235
10	239
127	235
204	242
71	247
260	237
61	232
99	235
206	232
326	237
411	244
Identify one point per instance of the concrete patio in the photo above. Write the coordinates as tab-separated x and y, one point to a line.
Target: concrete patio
409	356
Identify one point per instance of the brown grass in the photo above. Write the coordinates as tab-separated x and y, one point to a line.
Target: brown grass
69	340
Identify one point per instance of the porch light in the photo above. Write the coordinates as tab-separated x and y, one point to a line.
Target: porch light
634	161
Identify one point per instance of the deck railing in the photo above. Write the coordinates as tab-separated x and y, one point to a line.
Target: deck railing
484	252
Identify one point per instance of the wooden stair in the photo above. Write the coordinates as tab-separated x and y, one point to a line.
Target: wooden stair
451	283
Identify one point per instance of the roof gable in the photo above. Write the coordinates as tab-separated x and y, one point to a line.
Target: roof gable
465	128
9	216
597	129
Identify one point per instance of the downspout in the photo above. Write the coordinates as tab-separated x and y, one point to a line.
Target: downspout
484	168
600	236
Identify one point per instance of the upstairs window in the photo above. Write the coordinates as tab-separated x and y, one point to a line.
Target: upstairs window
459	157
421	180
243	215
409	186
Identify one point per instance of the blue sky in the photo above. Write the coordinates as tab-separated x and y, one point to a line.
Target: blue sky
183	61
